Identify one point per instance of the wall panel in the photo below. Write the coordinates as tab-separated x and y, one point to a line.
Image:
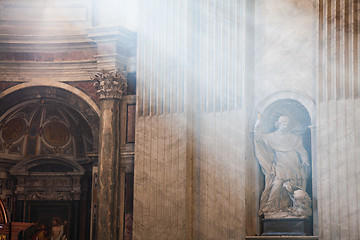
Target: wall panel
190	147
222	176
220	53
338	49
338	169
338	133
159	194
162	43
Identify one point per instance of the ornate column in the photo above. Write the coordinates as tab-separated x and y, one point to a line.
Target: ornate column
111	86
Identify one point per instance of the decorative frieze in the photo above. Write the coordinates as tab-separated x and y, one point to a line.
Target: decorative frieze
54	196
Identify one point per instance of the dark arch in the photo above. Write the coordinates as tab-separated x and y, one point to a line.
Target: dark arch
24	95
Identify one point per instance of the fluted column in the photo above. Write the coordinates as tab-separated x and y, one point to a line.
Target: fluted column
111	86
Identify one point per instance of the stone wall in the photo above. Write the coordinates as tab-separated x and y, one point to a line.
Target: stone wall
238	61
190	125
160	206
338	117
285	67
220	206
285	47
338	174
160	178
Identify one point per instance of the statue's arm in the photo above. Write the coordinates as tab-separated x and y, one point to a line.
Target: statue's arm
263	152
258	130
303	156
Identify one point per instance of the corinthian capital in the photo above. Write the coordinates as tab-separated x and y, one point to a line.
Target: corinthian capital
110	84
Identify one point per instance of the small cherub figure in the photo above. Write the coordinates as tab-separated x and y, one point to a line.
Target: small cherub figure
301	201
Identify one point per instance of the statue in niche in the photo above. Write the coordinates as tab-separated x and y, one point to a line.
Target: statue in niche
285	164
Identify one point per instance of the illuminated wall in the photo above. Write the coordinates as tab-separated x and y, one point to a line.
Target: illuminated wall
338	114
190	141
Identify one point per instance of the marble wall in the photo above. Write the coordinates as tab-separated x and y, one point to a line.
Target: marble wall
190	125
285	67
220	206
205	69
338	174
221	72
161	57
160	178
338	131
338	50
285	47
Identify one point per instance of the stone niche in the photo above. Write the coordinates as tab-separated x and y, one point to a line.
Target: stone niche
280	205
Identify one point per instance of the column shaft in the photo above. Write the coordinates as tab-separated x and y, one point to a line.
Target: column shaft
109	148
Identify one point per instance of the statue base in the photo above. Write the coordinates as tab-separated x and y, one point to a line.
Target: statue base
286	227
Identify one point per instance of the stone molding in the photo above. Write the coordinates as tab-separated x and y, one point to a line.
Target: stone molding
110	84
55	188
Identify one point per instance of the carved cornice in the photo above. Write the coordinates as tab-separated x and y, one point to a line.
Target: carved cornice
110	84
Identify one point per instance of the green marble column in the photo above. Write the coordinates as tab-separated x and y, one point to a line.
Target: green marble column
111	86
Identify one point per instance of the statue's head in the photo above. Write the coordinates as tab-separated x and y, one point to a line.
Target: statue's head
299	194
282	123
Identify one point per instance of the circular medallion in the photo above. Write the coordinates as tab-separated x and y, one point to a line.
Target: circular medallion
56	134
13	130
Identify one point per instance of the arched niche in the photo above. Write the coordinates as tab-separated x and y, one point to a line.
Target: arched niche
301	111
45	94
43	127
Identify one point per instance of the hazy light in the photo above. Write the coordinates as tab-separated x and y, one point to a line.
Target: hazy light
119	12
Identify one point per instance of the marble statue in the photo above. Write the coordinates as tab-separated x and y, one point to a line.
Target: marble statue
284	162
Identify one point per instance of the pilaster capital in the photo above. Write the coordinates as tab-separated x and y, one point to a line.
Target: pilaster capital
110	84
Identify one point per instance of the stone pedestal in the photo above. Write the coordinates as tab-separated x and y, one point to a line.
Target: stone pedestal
286	226
282	238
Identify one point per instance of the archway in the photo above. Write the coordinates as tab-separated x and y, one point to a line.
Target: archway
49	138
45	94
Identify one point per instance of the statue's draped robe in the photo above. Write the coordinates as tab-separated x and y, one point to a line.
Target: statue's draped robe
282	157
